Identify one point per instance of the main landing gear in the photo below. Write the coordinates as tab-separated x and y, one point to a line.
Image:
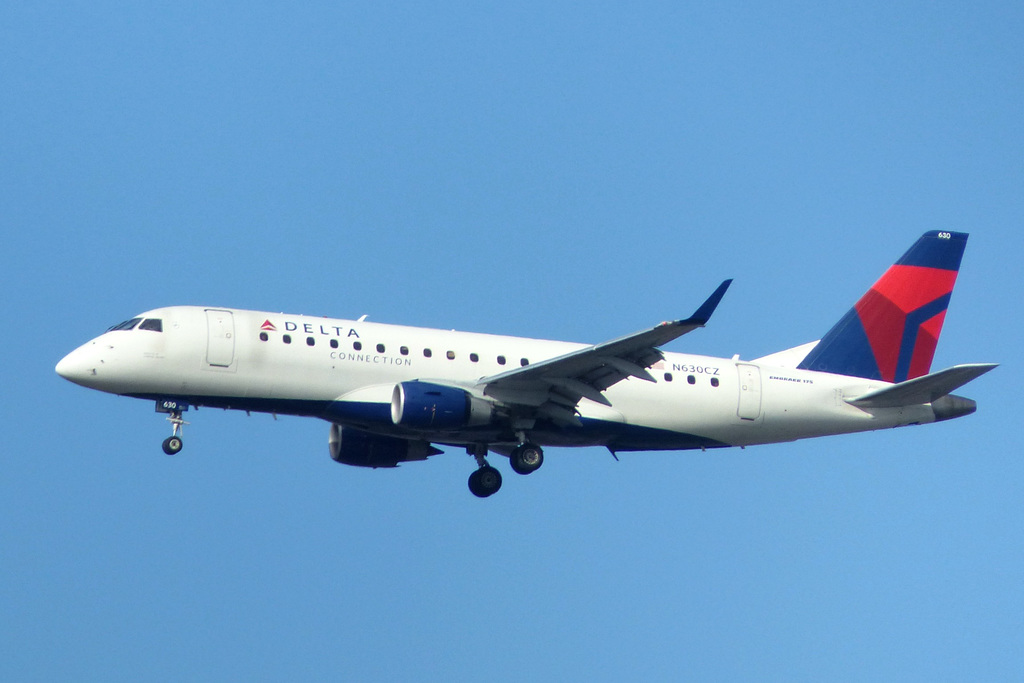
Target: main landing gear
524	458
485	481
173	444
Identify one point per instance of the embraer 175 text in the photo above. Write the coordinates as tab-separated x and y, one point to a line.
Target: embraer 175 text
390	392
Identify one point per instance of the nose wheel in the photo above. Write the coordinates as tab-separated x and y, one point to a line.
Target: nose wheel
172	445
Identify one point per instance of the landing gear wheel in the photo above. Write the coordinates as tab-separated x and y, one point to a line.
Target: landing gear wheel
172	445
526	458
485	482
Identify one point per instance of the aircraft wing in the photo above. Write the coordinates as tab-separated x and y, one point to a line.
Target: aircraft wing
555	386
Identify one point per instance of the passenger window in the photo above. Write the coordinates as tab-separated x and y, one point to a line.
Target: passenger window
714	381
380	348
358	346
473	357
451	355
427	353
152	324
263	336
668	376
690	379
310	341
501	360
524	362
287	339
404	350
334	343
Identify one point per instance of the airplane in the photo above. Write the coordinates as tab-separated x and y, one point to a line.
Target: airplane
390	392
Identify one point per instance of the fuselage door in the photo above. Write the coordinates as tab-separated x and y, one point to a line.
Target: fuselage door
750	391
220	341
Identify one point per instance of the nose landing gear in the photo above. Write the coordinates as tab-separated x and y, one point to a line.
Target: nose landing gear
173	444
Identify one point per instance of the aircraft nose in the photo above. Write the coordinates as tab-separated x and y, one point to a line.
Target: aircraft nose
76	367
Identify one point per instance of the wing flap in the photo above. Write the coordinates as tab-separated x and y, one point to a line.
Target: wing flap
627	368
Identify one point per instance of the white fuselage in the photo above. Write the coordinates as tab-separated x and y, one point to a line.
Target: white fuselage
345	372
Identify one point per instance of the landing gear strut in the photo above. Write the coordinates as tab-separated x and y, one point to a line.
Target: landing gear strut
486	480
173	444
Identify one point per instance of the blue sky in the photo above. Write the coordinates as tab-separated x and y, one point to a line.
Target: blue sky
560	171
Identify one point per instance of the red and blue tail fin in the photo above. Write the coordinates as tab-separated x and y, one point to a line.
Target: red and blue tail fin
891	333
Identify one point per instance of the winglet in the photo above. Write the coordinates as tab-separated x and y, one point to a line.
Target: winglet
703	314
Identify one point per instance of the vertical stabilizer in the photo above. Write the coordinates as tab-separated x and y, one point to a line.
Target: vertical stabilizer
891	333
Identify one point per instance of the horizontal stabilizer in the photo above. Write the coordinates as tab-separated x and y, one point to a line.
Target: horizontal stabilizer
922	389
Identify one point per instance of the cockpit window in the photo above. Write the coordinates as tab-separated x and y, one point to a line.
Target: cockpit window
126	325
152	324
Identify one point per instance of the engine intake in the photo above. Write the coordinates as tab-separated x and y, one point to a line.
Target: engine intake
423	405
362	449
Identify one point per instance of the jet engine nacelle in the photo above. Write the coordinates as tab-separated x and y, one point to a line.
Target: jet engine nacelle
422	405
362	449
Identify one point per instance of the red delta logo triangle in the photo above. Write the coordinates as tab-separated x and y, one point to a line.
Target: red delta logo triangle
267	325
